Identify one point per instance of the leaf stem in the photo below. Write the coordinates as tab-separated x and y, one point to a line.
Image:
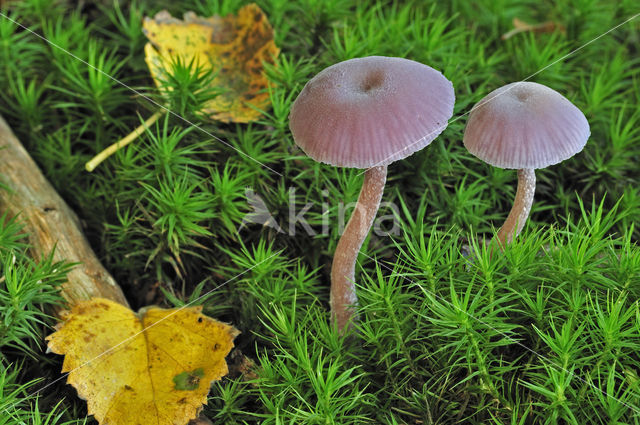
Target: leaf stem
96	160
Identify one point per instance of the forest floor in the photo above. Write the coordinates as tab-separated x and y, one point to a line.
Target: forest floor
547	331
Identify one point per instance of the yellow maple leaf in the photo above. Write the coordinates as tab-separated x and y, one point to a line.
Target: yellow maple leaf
154	367
235	47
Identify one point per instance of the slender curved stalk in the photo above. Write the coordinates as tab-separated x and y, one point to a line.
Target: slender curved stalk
96	160
343	291
521	207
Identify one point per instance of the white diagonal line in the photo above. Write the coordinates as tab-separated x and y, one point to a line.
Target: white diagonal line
183	119
441	128
120	345
267	167
147	98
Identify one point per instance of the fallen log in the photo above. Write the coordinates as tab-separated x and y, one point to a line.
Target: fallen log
49	223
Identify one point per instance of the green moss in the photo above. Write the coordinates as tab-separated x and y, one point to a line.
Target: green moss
546	332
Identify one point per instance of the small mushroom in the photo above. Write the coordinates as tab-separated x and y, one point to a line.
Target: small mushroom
524	126
367	113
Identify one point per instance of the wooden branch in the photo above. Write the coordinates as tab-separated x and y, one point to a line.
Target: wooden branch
49	223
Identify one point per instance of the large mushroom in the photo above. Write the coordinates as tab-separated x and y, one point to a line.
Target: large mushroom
367	113
524	126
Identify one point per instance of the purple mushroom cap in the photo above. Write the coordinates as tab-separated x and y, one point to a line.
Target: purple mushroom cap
371	111
525	125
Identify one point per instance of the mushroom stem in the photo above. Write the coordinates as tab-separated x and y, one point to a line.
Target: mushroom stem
521	206
343	291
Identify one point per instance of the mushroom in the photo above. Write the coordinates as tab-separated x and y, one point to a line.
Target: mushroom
367	113
524	126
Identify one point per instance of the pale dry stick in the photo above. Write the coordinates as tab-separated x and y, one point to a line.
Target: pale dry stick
97	160
571	53
120	345
168	111
50	225
510	338
265	166
147	98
